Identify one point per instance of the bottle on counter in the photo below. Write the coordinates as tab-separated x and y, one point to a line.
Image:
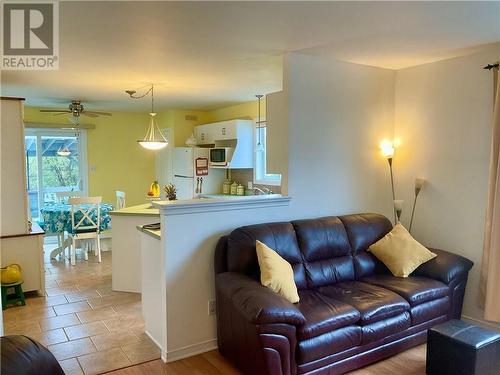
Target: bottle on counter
240	190
234	188
226	187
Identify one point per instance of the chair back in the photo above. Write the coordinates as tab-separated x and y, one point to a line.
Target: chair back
63	196
120	199
85	214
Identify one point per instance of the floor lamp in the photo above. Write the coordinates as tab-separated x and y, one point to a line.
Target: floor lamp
387	148
419	184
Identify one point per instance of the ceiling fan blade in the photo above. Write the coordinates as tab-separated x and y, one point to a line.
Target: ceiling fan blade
89	114
98	113
56	110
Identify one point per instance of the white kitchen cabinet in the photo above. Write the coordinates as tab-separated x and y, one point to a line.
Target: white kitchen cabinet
236	134
222	131
225	130
204	134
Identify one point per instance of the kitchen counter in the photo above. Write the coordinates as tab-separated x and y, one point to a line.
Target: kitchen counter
126	245
219	202
228	196
151	232
141	209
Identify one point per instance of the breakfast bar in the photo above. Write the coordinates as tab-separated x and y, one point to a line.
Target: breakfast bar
126	244
177	268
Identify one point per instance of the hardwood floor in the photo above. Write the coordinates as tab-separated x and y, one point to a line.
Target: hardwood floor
410	362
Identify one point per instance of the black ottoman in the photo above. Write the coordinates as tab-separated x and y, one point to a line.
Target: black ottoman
460	348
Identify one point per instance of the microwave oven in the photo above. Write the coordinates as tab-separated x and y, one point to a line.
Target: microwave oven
221	156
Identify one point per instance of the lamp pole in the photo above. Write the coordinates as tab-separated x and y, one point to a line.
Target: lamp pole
389	160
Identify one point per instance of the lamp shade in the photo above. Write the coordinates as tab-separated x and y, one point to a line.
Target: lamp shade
387	148
154	139
419	183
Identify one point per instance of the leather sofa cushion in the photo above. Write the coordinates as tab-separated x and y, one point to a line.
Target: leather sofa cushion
366	264
328	344
386	327
373	302
325	249
323	314
430	310
365	229
241	253
414	289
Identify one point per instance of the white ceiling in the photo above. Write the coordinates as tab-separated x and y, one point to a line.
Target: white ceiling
208	54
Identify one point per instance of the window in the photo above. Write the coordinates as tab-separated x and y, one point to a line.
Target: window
55	162
260	174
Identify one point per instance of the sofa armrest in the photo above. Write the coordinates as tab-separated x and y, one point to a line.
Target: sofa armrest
258	304
445	266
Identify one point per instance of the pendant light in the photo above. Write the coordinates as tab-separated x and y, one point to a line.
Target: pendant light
260	146
63	151
154	139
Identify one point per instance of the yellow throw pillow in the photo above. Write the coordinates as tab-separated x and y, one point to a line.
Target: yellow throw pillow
276	273
400	252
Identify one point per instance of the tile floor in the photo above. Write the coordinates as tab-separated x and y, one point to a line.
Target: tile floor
88	327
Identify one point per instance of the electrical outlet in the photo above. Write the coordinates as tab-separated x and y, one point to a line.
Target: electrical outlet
212	307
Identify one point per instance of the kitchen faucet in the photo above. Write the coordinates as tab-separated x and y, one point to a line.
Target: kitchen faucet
262	191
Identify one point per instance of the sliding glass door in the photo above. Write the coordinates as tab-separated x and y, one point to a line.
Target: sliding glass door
55	162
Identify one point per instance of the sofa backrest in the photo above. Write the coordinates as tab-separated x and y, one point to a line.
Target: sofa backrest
325	249
364	230
242	256
321	251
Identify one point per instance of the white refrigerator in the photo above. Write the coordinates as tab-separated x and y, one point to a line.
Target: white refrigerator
188	182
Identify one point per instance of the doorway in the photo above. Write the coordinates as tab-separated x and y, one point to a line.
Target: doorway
56	161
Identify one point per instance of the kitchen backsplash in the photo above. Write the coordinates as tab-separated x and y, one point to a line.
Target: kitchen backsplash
244	175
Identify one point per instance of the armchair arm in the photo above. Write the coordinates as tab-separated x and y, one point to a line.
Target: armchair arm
258	304
445	267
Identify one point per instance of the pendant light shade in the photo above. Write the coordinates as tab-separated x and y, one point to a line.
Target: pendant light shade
154	139
64	151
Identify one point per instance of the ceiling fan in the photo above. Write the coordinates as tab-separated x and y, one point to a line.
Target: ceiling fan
76	109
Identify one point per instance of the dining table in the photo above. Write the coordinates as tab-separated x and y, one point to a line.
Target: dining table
56	219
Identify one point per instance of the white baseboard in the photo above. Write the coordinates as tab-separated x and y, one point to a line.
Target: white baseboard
153	339
189	351
486	323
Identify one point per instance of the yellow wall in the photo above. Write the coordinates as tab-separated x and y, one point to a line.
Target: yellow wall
247	110
115	160
182	128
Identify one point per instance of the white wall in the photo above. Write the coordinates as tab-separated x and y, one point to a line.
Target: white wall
443	118
338	114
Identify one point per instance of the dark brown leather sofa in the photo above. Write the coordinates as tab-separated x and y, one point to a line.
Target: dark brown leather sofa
352	311
21	355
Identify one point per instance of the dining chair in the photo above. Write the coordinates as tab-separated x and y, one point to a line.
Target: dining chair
62	197
120	199
85	224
